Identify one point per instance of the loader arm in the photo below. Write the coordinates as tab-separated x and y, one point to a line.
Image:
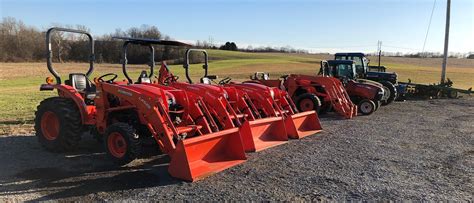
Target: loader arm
150	112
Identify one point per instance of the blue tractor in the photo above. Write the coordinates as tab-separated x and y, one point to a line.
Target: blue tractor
389	80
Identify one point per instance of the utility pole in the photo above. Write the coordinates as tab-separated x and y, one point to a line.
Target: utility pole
446	41
379	49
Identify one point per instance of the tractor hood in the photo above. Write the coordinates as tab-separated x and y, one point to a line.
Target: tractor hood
364	81
165	98
204	90
382	75
254	88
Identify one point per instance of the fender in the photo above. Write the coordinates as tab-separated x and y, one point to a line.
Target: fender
87	112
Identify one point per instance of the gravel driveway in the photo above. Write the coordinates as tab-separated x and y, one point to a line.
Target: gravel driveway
419	150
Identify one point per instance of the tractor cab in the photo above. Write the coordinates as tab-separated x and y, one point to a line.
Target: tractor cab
360	61
375	73
365	71
339	68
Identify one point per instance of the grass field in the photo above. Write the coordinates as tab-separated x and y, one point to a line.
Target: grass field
19	82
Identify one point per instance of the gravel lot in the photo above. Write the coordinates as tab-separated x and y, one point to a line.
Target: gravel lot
419	150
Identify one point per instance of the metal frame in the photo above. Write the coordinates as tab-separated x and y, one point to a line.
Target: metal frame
49	50
186	63
144	42
125	60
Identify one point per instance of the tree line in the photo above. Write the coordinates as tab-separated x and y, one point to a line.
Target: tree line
23	43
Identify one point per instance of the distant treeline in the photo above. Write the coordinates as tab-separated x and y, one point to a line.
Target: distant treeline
469	55
232	46
22	43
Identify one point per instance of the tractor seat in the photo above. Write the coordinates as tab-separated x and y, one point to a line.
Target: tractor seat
208	79
205	80
82	84
143	78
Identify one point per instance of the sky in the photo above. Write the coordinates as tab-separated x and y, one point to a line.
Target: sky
318	26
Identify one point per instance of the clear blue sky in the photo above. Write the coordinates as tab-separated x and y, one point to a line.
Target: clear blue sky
330	25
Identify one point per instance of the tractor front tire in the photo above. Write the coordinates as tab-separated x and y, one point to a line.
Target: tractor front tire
122	143
308	102
366	107
58	124
388	86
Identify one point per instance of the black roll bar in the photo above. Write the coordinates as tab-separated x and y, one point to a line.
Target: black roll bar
186	63
144	42
49	56
125	60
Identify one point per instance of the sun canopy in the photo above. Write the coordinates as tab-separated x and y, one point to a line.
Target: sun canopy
146	41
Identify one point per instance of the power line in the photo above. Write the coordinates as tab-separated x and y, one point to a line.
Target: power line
429	25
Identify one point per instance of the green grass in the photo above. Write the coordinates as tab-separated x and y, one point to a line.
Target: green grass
19	83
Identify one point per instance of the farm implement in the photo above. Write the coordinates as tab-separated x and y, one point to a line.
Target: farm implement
440	90
367	94
129	112
399	90
317	93
259	101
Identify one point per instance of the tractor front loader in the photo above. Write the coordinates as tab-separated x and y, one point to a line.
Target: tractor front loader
257	133
258	101
272	102
125	113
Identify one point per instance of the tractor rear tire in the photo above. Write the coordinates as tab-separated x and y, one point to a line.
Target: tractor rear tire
122	143
393	92
308	102
366	107
58	124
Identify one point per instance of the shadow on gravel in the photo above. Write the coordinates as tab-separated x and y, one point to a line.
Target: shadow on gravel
28	168
16	122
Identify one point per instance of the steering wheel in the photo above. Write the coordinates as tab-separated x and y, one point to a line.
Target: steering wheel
225	81
172	78
101	78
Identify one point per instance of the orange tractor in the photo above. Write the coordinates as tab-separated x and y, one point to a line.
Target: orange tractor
317	93
257	102
125	113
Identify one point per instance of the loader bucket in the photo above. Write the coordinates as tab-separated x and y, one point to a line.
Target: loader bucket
263	133
198	157
302	124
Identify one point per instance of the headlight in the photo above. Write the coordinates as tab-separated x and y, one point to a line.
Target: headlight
272	94
226	96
